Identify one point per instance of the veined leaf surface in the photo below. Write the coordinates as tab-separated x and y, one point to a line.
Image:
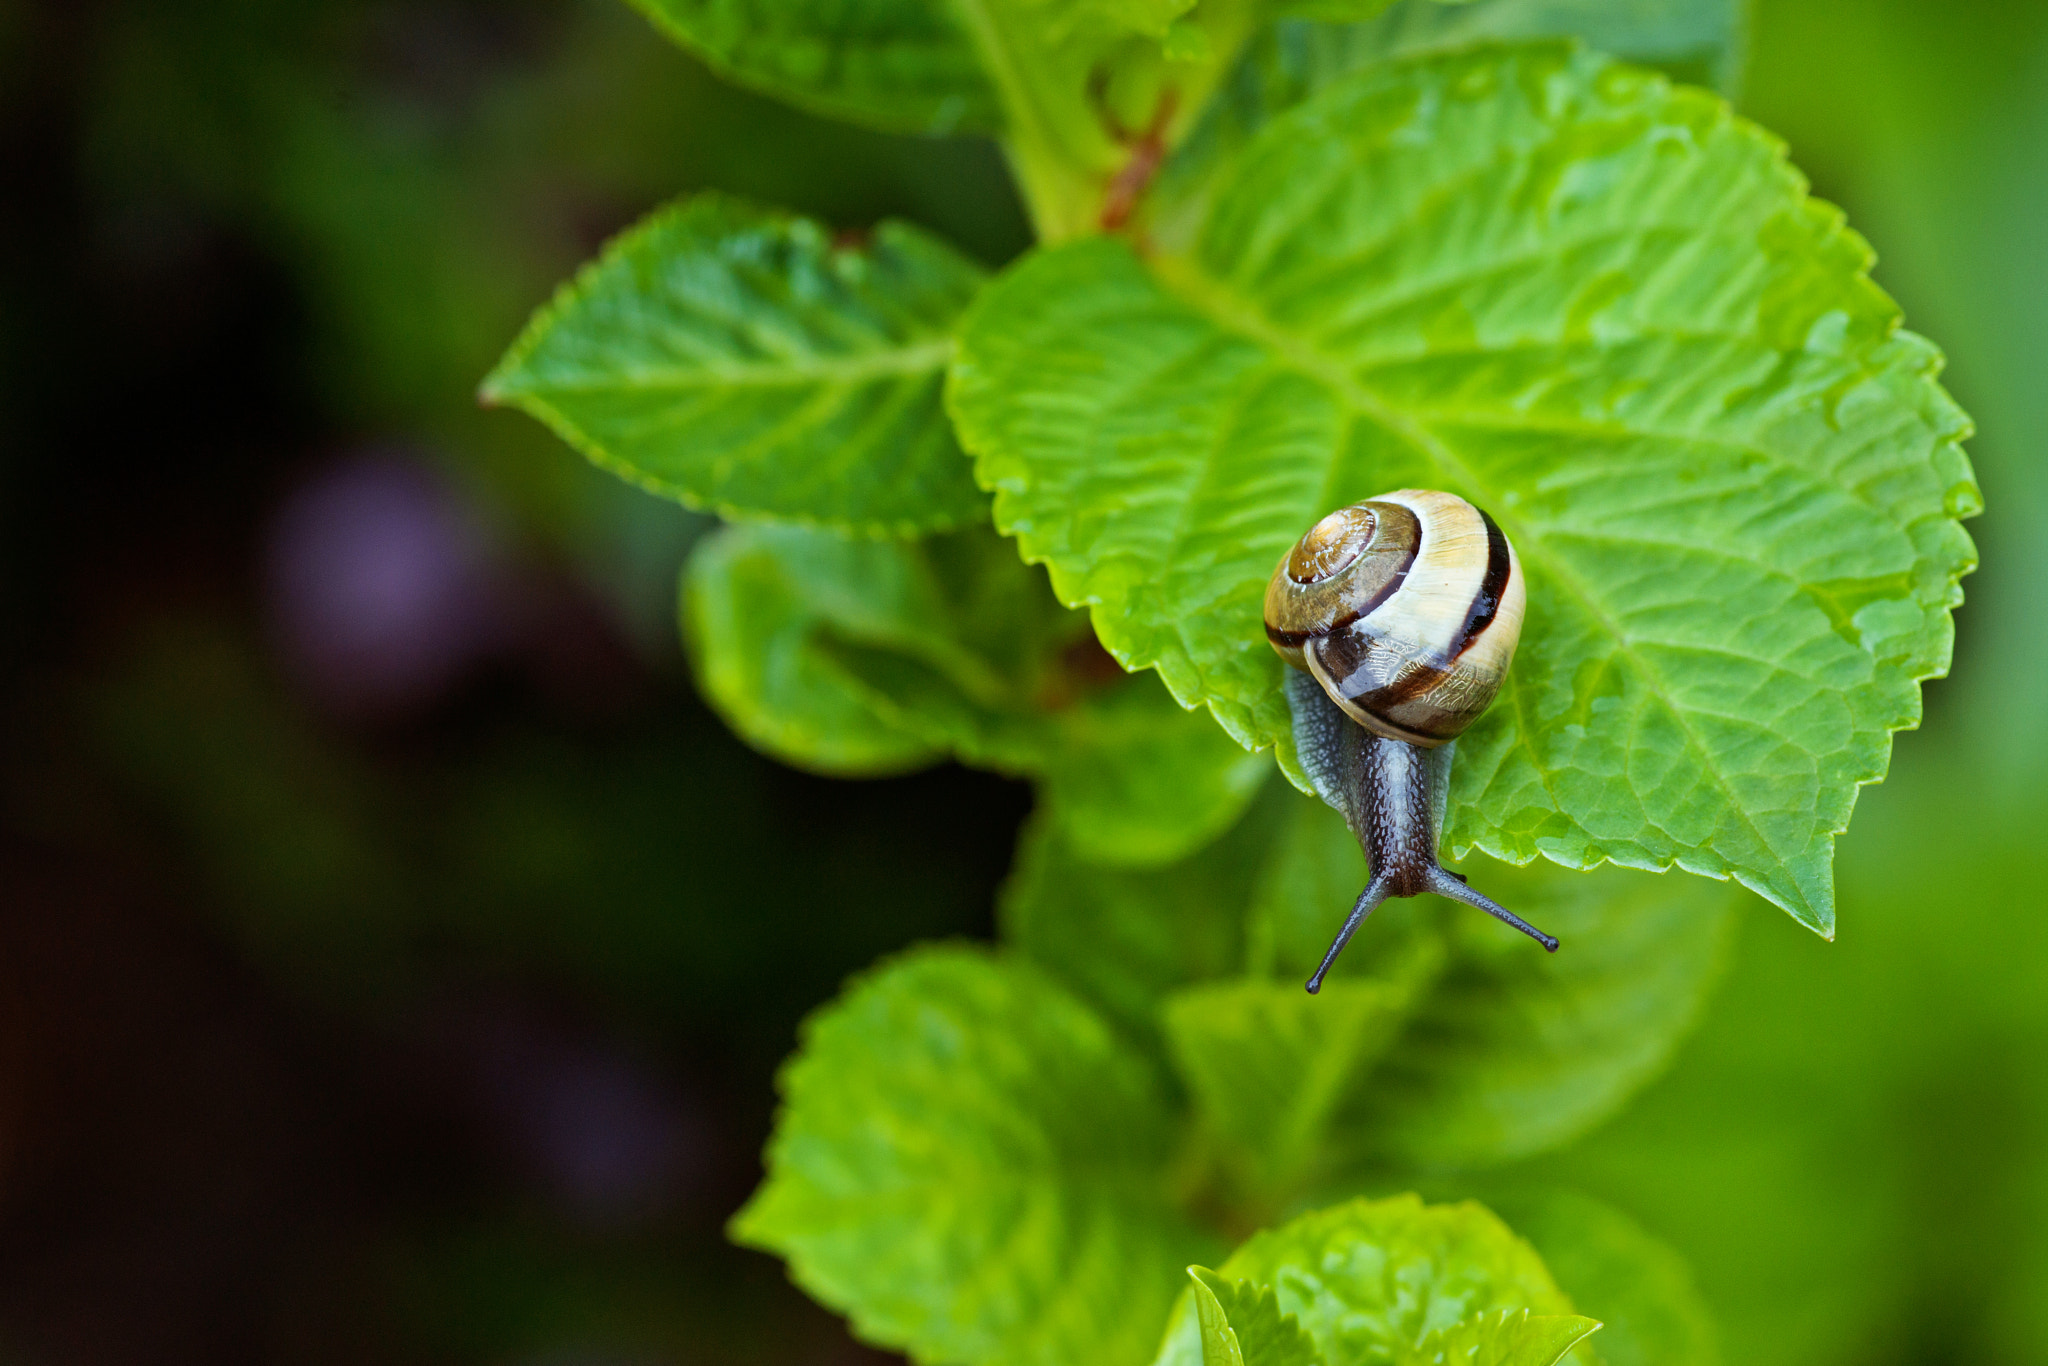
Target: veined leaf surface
971	1165
738	359
1371	1280
1603	308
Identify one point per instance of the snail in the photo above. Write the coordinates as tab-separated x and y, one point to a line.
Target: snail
1399	616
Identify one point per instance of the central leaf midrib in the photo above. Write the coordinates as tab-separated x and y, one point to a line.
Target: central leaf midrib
894	363
1216	302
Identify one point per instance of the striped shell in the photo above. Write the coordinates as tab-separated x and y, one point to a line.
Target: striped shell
1406	608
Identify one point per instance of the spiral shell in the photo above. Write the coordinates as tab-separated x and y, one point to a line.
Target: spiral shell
1406	608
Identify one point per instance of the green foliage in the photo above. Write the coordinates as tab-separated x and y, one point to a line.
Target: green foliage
753	602
1283	265
971	1168
1513	1052
1695	40
1499	1052
862	657
737	359
1506	1338
1386	1281
1603	308
1652	1313
1267	1064
1242	1325
908	65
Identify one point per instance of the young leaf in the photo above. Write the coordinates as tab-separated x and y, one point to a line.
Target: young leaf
737	359
753	600
859	657
1513	1051
907	66
971	1167
1135	780
1601	307
1508	1052
1124	938
1504	1338
1242	1324
1651	1309
1267	1063
1371	1280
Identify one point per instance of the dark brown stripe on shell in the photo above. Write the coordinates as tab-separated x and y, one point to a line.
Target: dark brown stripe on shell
1486	605
1406	688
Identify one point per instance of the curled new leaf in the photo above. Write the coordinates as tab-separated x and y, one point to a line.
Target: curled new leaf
1392	1281
1242	1325
863	657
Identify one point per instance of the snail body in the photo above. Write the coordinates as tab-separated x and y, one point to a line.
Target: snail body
1400	615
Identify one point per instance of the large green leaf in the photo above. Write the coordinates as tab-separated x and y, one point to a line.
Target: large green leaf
1371	1280
1507	1051
861	657
1603	308
972	1167
905	65
739	359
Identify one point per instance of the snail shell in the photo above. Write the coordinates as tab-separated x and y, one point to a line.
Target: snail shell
1406	608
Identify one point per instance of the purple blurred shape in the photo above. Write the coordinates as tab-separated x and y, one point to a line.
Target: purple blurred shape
379	587
610	1139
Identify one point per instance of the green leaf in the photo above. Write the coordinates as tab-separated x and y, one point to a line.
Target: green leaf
1505	1338
1268	1064
1136	780
1288	62
972	1168
1371	1280
1242	1325
1694	40
1515	1051
1652	1310
1105	17
907	66
856	657
738	359
754	600
1601	307
1508	1051
1127	938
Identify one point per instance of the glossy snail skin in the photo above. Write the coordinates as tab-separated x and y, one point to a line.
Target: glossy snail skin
1401	614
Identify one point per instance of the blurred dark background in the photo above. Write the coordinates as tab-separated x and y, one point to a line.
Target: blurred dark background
394	953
